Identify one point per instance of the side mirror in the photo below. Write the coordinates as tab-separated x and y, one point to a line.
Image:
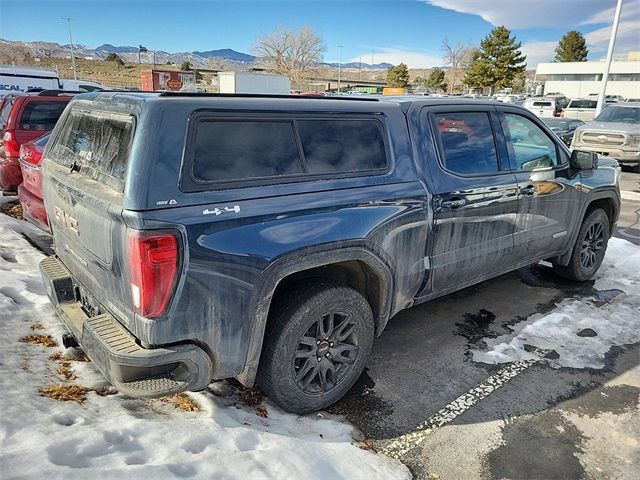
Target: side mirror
582	160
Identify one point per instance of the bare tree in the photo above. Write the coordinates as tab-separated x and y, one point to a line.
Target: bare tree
215	63
290	53
457	57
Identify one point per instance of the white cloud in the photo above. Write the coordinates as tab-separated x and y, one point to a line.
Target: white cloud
538	52
553	14
395	56
519	14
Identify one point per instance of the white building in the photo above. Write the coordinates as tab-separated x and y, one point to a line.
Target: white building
580	79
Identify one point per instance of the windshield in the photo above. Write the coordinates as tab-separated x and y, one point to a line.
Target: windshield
620	114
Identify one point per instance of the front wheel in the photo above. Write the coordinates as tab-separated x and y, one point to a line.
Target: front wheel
589	249
317	343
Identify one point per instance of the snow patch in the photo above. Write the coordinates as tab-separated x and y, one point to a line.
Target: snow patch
615	324
116	437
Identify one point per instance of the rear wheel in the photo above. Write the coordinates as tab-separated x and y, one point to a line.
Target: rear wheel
319	337
589	249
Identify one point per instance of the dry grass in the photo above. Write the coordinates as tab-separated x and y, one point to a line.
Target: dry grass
37	326
366	444
45	340
66	371
249	396
13	210
75	356
181	401
262	412
66	393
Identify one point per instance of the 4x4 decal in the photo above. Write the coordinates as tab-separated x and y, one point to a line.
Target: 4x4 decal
218	211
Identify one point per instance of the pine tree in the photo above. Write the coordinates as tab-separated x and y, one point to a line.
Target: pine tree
497	62
572	47
398	76
435	81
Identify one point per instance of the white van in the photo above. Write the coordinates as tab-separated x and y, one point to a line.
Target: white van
21	79
542	107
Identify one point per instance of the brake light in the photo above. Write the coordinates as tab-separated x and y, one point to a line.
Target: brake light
30	154
153	269
11	147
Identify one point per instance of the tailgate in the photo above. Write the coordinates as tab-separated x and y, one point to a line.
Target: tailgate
83	180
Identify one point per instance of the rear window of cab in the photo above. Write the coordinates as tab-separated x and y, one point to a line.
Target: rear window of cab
237	151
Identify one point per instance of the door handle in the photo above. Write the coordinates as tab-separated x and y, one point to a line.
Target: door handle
529	191
453	204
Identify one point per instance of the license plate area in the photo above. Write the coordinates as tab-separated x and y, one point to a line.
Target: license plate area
88	302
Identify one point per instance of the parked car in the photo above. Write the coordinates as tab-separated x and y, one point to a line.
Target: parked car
28	117
82	86
30	190
561	99
543	107
608	98
563	127
614	133
205	237
582	109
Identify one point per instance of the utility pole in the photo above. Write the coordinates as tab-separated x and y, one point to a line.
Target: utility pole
73	57
359	67
612	42
371	68
339	65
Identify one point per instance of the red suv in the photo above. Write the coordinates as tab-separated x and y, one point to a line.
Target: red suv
24	118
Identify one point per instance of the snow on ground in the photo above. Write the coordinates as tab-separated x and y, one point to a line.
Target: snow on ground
615	323
119	437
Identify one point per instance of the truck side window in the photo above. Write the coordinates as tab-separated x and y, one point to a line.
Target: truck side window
467	141
529	146
231	150
340	146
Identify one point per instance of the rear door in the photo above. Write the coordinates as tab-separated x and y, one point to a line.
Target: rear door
548	199
474	202
84	165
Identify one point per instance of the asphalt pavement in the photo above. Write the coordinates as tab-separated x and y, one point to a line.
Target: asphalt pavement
424	400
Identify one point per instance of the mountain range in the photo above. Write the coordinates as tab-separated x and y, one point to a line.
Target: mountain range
200	59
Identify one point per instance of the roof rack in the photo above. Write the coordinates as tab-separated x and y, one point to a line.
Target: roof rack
53	93
263	95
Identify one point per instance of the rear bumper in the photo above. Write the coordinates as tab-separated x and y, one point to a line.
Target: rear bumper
132	369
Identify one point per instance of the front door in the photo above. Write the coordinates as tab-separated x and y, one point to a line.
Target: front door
548	200
475	197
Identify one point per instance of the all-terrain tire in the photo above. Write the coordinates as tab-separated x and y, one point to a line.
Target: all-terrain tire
589	249
298	340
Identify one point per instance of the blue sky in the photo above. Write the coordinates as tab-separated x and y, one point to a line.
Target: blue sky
398	30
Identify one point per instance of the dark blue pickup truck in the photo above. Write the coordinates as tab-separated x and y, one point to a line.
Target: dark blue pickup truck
270	239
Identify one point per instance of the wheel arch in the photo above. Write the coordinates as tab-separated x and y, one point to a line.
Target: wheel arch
609	201
357	265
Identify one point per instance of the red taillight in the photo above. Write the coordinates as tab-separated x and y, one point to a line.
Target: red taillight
29	153
153	268
11	147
